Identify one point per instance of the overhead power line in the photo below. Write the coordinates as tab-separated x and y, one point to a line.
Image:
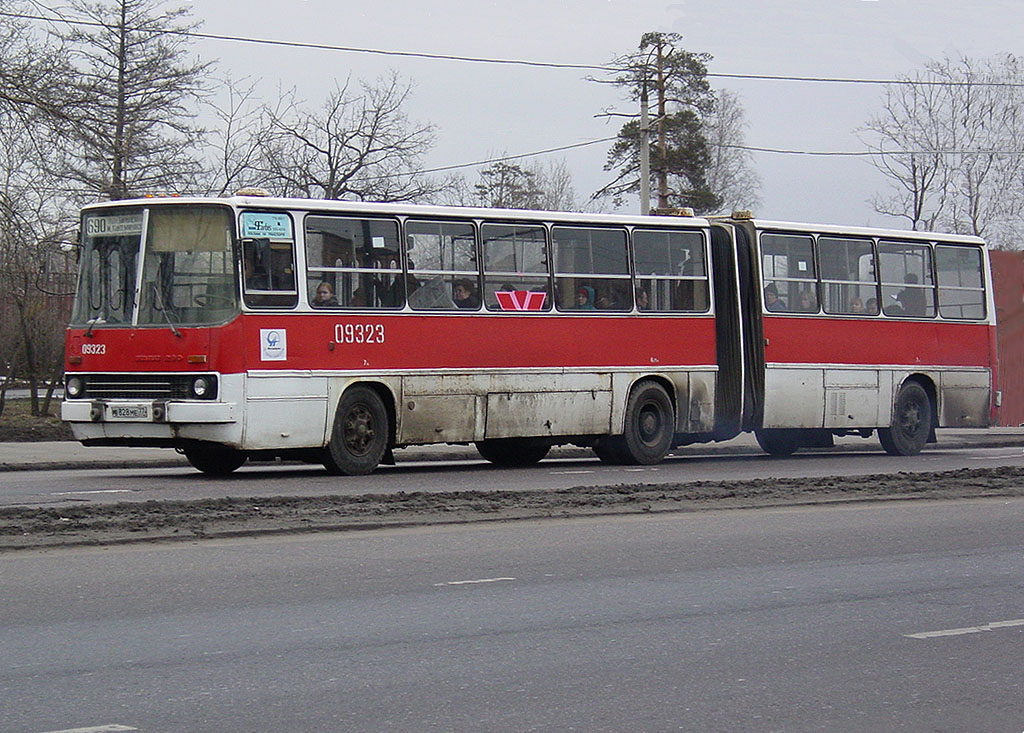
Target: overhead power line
499	61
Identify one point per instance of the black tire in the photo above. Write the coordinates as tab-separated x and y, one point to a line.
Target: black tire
650	424
215	460
911	422
359	437
611	449
778	441
513	451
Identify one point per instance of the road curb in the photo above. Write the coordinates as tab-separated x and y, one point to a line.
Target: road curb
458	453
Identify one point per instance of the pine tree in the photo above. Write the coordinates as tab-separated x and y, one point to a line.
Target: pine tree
677	82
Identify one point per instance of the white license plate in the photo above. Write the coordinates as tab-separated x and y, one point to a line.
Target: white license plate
129	412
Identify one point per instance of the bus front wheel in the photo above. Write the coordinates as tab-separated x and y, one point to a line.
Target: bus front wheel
650	424
360	434
513	451
911	422
215	460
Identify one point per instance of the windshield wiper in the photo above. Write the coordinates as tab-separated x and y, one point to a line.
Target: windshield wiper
158	303
92	323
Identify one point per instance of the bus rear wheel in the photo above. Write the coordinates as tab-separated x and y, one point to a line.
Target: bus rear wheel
911	422
778	441
611	449
215	460
650	425
513	451
359	437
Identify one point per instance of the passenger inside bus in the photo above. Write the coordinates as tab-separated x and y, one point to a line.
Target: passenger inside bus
772	301
464	295
912	299
806	302
324	296
585	298
642	302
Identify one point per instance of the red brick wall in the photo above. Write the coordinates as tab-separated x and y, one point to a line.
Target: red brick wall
1008	281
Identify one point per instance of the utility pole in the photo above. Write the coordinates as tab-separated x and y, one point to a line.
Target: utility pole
645	153
662	143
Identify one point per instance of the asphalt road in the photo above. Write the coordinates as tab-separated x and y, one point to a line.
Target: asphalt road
146	483
896	616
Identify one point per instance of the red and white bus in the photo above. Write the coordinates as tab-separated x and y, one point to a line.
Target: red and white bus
335	332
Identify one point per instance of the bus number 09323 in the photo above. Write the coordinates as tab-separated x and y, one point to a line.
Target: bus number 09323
359	333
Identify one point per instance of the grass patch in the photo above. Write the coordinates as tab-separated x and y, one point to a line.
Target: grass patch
17	423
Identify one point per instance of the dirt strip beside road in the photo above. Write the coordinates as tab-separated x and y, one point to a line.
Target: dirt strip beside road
27	527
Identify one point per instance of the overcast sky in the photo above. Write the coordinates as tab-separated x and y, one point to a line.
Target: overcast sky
484	109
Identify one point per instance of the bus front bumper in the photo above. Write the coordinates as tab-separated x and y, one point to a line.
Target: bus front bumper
147	411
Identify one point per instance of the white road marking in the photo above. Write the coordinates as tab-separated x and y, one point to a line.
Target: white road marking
569	473
967	629
94	490
95	729
474	582
999	456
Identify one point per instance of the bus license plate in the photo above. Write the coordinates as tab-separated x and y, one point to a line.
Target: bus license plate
129	412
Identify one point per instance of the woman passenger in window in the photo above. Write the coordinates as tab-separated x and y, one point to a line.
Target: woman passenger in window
805	302
464	295
324	296
585	298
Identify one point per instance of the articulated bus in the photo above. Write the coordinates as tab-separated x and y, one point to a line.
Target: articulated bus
335	332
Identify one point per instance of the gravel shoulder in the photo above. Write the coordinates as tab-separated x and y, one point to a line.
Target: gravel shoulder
28	527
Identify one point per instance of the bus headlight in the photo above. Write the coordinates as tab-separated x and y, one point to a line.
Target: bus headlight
201	387
75	387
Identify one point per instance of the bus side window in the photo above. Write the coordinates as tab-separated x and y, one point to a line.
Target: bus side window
443	255
961	282
908	289
515	258
358	258
848	283
591	269
787	263
269	273
671	270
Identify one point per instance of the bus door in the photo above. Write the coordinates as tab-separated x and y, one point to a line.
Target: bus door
739	399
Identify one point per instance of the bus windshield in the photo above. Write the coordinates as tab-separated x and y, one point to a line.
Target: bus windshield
188	271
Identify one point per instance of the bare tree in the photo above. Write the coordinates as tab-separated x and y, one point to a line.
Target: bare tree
235	144
556	184
34	74
36	275
730	172
949	141
505	185
358	145
508	185
139	132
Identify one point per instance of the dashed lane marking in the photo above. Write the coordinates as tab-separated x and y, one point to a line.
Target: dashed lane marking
93	491
112	728
474	582
968	629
